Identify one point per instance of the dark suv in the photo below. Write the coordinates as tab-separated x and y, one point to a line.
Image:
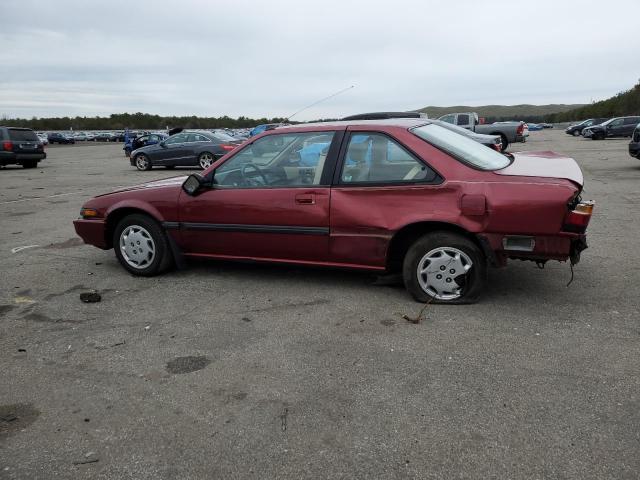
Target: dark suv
616	127
576	130
634	145
20	146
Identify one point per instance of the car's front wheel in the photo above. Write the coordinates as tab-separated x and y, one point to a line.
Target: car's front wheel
577	133
141	246
143	162
444	267
205	159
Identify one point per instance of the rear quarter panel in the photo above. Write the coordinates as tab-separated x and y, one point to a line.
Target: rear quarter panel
365	218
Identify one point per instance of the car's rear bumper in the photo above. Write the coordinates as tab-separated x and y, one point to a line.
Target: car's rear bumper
634	149
7	158
561	247
92	232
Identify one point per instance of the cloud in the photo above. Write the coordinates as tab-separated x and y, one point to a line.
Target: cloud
273	58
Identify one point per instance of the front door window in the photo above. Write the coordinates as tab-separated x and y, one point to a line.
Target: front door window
287	160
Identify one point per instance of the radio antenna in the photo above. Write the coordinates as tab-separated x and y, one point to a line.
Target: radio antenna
321	100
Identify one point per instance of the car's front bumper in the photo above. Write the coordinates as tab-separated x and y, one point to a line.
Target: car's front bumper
634	149
92	232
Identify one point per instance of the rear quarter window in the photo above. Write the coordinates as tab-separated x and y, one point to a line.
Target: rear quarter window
22	135
461	147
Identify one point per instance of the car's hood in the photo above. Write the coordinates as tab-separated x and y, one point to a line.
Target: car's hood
164	183
545	165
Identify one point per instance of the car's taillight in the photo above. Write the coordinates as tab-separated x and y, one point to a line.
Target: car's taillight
577	219
227	148
520	129
7	146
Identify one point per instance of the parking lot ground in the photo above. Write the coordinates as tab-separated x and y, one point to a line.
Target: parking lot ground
306	373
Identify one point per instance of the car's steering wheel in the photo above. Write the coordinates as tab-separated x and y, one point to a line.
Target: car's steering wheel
247	178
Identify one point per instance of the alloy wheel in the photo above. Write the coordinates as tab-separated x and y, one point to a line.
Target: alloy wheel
205	160
142	162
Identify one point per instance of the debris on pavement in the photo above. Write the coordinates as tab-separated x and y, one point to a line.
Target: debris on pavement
88	458
90	297
419	318
187	364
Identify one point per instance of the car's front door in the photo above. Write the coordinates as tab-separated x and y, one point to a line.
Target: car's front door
171	151
615	128
629	126
269	201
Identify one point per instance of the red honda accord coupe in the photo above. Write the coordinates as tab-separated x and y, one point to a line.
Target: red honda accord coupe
400	195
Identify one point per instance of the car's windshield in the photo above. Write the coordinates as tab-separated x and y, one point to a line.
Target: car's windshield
608	121
461	147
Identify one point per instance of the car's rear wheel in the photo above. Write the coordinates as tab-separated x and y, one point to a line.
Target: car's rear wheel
205	159
141	246
504	141
30	164
444	267
577	133
143	162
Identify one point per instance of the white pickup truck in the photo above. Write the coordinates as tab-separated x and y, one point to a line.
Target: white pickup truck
509	132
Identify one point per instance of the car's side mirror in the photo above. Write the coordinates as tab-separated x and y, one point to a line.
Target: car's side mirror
194	184
163	144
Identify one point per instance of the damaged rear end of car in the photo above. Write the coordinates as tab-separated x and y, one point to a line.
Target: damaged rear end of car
544	216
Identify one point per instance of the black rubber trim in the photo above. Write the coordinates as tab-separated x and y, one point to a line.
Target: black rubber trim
487	250
231	227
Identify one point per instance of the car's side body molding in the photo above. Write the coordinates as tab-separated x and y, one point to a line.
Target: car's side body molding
227	227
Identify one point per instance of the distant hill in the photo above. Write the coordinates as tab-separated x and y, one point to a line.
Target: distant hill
622	104
529	113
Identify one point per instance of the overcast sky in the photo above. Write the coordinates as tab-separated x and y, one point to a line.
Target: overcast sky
271	58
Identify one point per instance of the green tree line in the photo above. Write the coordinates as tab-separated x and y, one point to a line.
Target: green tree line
135	121
620	105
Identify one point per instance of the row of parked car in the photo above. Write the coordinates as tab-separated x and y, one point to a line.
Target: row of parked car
601	128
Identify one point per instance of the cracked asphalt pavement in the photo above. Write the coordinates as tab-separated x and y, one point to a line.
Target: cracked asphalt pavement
242	371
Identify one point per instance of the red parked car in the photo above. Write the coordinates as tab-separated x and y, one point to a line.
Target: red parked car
387	195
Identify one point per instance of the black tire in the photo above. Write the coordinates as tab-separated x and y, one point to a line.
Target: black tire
162	259
470	284
142	162
30	164
503	140
206	159
577	133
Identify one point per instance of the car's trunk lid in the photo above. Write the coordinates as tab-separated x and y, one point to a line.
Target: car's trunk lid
544	165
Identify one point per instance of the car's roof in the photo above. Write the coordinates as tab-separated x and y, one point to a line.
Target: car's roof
16	128
343	124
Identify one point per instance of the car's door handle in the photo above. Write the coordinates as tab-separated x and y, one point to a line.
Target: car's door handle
306	199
